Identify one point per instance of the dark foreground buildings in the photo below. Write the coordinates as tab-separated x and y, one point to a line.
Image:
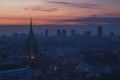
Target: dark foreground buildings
60	57
10	71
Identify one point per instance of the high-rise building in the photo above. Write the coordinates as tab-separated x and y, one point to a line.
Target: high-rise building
64	33
58	32
47	32
61	33
31	48
87	33
99	31
73	32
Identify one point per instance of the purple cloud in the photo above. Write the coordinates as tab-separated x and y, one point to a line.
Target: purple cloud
78	5
37	8
95	20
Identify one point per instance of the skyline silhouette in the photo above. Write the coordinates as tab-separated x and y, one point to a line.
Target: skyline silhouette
59	39
38	55
10	29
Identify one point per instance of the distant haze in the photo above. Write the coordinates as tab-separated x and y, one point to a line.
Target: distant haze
9	30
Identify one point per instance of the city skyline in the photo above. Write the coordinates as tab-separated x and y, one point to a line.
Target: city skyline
38	29
77	12
59	39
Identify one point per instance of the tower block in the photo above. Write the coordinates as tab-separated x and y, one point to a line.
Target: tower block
31	55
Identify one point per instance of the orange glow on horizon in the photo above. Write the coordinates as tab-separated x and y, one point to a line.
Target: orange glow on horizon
13	12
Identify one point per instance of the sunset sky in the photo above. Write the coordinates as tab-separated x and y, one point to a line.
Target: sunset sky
82	12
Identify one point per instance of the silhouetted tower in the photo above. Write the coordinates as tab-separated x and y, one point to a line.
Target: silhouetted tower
64	33
73	32
47	32
58	33
99	31
87	33
30	48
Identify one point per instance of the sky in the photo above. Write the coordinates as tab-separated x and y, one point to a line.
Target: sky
72	12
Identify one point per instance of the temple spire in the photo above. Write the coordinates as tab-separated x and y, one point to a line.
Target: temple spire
31	33
30	48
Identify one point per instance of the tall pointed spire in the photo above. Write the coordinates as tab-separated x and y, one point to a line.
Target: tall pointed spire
31	33
31	48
